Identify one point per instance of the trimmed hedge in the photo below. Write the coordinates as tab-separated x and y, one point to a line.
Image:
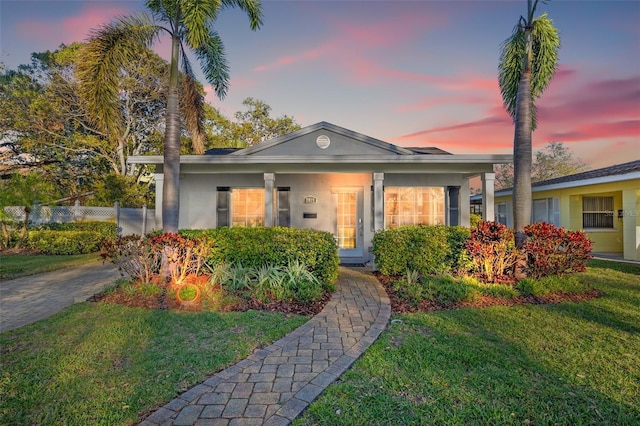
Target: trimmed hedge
65	242
428	250
277	246
108	230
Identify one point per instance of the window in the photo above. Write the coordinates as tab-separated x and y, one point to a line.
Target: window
546	210
283	206
597	212
413	206
346	218
247	207
502	213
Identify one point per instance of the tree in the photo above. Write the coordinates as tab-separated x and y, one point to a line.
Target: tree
49	128
553	161
256	125
528	62
189	24
22	190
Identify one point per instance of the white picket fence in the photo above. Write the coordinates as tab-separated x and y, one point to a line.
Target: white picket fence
128	220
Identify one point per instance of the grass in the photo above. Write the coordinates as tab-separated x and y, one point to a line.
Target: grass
109	364
567	364
17	265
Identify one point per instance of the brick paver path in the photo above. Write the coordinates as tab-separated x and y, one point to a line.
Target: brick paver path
275	384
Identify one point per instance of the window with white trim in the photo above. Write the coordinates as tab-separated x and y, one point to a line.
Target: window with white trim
413	206
502	212
597	212
546	210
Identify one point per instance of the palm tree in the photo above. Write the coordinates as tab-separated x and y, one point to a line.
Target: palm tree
190	24
528	61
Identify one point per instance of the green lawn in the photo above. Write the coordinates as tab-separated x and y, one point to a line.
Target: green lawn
107	364
569	364
14	266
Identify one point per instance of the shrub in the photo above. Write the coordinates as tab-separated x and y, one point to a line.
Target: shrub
553	283
107	229
184	255
421	248
492	251
254	247
133	256
64	242
269	282
457	260
551	250
448	291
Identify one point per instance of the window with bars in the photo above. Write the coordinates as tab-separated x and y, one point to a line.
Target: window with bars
597	212
413	206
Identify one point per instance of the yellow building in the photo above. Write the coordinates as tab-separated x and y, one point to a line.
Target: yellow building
605	203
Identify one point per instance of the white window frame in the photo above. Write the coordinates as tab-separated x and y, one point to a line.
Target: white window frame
437	216
601	205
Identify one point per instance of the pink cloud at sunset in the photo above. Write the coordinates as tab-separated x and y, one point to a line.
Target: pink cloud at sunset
590	111
349	42
73	28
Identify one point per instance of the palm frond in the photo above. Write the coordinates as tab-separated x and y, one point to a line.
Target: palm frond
545	46
107	48
510	67
253	9
163	10
197	17
546	43
192	103
214	64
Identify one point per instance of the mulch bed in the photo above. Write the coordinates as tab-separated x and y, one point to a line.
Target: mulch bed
400	306
162	301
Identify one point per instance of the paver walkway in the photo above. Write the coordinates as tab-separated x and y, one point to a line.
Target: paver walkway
275	384
29	299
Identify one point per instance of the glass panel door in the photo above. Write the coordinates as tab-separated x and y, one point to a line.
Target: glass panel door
347	220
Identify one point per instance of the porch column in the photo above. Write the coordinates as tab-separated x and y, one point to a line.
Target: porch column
453	198
269	181
630	224
378	201
464	212
488	203
159	178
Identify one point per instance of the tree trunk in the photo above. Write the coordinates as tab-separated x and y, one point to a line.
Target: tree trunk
522	156
171	168
22	238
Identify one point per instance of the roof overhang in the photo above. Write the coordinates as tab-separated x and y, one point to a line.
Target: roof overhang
465	164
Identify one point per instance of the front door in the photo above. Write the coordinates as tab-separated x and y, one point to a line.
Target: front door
349	227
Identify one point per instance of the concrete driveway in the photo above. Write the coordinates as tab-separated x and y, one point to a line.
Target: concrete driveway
29	299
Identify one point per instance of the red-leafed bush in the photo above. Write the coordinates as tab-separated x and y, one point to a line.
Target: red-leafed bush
492	250
133	256
555	251
184	256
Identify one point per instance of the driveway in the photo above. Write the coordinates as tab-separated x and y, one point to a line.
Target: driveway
29	299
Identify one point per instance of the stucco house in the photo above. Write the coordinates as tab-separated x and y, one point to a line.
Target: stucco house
328	178
605	203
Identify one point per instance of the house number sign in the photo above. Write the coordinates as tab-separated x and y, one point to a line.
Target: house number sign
310	199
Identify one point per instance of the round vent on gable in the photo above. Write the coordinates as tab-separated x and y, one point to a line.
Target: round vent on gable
323	141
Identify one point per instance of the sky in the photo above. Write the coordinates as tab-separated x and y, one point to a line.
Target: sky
414	73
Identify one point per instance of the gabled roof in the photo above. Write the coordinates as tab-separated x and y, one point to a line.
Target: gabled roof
431	150
615	170
615	173
323	125
221	151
